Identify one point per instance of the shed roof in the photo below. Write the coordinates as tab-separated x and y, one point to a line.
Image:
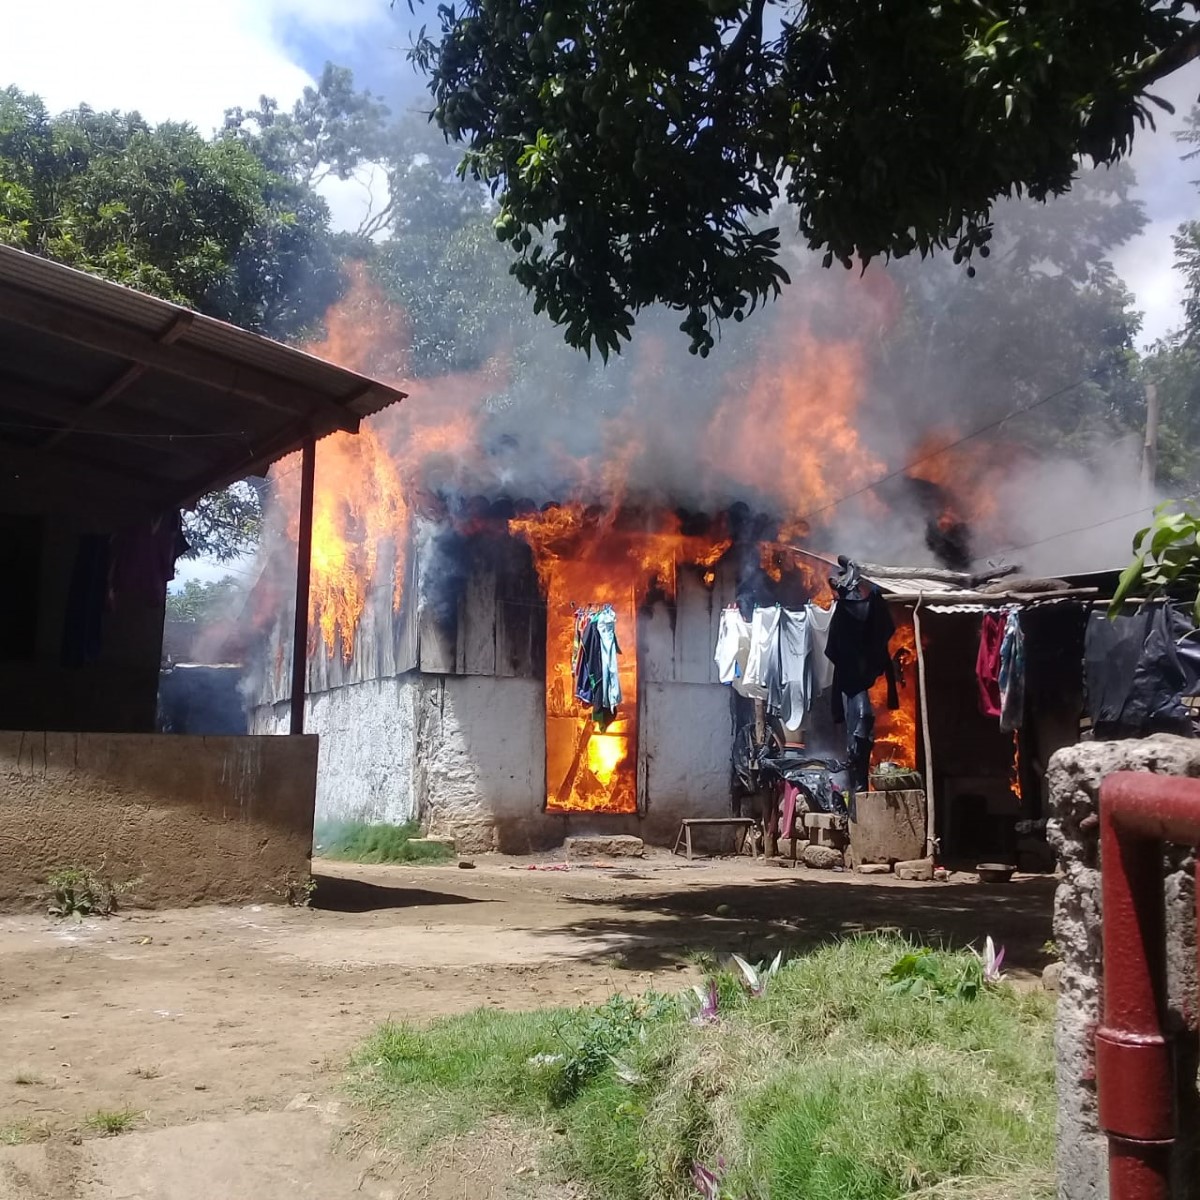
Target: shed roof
152	395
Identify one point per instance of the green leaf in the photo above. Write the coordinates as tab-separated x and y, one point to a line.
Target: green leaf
1130	578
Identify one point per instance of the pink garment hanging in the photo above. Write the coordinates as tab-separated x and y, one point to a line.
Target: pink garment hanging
987	663
787	812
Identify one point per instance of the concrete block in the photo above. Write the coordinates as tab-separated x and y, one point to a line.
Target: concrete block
446	843
889	827
617	846
1052	977
917	870
874	868
822	858
818	820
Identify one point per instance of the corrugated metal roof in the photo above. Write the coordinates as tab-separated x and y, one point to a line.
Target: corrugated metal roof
87	365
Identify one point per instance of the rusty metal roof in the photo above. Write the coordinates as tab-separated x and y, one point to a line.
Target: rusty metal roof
152	396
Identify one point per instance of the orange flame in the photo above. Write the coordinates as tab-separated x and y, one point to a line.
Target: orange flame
1014	774
896	728
365	483
788	427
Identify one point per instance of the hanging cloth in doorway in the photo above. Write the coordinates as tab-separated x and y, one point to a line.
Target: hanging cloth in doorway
594	650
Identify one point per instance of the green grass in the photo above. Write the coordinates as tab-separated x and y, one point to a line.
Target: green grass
20	1132
834	1086
111	1121
356	841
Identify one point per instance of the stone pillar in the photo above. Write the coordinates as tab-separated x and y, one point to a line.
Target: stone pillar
1074	778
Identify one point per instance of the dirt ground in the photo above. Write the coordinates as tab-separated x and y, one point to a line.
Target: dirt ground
226	1030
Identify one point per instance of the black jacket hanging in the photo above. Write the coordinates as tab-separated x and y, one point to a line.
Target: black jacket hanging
859	632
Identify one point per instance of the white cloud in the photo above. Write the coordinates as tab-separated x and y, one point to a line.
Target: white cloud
171	62
1166	185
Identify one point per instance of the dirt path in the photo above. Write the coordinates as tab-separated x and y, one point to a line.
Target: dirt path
227	1029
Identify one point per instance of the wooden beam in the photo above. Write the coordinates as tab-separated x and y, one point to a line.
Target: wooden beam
308	468
174	330
184	362
124	426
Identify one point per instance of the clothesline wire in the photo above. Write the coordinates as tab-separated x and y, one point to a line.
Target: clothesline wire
924	458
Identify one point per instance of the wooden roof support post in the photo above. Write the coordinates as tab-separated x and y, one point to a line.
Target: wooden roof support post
308	470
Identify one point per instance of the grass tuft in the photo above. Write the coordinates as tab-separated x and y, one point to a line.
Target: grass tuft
25	1079
112	1121
21	1132
836	1085
356	841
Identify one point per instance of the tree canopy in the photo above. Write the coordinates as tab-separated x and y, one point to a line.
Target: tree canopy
202	222
638	151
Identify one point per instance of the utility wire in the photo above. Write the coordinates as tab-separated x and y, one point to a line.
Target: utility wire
916	462
1066	532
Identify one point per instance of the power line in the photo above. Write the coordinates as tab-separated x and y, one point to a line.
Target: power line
916	462
1067	532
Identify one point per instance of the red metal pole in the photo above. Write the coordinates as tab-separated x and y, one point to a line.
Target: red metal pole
1134	1061
308	470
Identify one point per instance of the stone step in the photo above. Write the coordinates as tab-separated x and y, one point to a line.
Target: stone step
619	845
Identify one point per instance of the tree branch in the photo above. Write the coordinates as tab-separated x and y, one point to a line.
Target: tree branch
1167	61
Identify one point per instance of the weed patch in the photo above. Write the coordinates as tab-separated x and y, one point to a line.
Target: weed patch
356	841
81	892
868	1070
112	1121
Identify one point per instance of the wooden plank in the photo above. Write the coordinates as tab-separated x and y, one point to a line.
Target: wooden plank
477	622
436	651
656	644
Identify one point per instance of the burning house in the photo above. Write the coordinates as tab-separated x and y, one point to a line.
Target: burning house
462	542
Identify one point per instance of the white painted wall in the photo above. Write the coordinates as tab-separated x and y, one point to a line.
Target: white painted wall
687	739
365	763
467	756
481	760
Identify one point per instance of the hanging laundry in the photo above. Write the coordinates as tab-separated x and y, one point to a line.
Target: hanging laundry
1137	670
597	676
794	695
588	664
733	646
822	669
859	632
608	697
1011	676
987	663
860	736
1111	653
762	662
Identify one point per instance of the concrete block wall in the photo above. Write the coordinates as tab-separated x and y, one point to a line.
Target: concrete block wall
195	819
1074	779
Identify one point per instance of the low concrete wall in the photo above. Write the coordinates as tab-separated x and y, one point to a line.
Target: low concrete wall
1074	779
196	819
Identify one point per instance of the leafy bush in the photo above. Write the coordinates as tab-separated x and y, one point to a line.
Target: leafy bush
81	892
